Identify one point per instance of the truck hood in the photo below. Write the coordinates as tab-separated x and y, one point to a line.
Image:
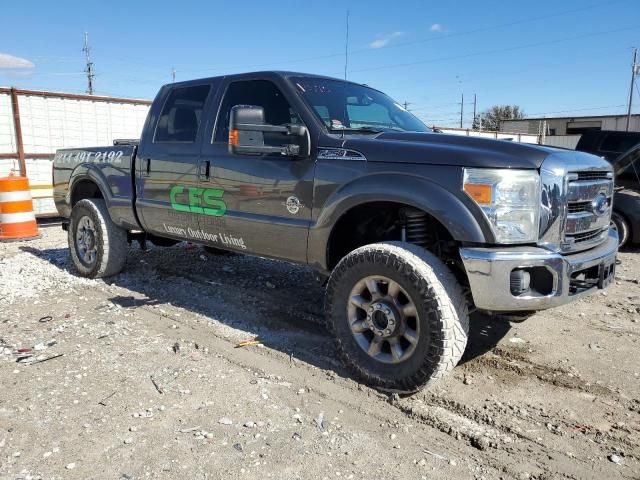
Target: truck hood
442	149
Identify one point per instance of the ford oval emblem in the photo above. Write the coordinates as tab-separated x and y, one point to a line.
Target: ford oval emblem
600	204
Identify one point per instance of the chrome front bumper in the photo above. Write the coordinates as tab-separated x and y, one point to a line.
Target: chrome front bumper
489	272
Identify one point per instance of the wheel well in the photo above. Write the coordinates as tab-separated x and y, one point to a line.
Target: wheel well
85	189
386	221
628	221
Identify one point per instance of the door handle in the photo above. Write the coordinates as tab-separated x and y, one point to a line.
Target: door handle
205	169
146	167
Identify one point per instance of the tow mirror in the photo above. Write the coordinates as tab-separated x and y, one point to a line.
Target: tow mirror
247	129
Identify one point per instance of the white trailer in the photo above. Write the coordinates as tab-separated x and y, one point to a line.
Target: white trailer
34	124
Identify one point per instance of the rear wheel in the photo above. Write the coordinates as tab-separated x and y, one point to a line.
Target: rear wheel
398	314
98	246
622	226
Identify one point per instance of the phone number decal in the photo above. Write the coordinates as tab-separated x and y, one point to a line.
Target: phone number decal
110	156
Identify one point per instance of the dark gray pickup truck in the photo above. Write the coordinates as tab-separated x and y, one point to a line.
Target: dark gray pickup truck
413	228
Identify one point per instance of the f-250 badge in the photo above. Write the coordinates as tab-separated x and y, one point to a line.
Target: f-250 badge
293	204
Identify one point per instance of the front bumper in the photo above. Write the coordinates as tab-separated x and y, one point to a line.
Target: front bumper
571	276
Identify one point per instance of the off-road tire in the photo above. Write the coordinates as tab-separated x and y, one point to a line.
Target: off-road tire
110	240
440	302
622	226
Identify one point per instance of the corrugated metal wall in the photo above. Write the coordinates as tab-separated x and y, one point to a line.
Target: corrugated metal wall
52	120
512	136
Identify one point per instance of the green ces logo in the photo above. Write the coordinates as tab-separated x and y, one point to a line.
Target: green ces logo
205	201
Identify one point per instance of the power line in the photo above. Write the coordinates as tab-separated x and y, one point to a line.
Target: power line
89	68
494	27
414	42
500	50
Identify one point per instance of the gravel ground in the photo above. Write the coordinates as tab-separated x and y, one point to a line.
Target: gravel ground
138	377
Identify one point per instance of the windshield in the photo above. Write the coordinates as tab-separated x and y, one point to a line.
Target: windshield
344	106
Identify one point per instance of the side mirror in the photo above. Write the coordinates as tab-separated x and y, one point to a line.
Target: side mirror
247	129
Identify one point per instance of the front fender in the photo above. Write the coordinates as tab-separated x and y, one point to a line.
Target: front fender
413	190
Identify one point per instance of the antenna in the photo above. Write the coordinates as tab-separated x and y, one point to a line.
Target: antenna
346	47
173	74
89	68
634	72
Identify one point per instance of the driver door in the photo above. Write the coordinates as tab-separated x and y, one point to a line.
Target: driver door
268	198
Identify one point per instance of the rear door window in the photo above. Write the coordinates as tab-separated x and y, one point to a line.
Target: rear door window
182	115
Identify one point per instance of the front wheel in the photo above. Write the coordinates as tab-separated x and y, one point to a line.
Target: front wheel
398	315
98	246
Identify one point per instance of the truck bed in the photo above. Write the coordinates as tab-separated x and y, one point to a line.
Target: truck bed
113	175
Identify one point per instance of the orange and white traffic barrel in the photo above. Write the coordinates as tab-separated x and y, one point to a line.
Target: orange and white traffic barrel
17	219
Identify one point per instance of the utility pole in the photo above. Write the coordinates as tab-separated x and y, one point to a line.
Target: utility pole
173	74
635	69
406	105
475	105
461	110
89	68
346	47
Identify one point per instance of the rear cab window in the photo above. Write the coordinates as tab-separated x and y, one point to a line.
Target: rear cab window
182	115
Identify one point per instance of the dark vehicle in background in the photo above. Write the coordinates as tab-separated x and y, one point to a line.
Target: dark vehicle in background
412	228
621	150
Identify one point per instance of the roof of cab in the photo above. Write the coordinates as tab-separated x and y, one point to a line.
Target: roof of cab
263	73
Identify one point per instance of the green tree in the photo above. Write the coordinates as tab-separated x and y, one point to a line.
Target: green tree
490	119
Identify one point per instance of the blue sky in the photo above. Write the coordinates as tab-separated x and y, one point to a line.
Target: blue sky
547	56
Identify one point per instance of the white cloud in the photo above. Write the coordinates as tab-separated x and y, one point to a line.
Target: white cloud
436	27
383	40
14	63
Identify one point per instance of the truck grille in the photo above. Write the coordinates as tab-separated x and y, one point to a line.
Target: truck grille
592	175
579	207
589	196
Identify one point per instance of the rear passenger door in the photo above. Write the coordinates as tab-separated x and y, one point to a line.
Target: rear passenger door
167	162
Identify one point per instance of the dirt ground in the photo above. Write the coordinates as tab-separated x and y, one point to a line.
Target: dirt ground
138	377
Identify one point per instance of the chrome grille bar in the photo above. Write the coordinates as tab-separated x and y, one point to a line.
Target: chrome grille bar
586	190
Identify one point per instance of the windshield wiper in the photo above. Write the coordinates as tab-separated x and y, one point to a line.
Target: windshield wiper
359	130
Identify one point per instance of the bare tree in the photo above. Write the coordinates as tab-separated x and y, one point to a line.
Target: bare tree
490	119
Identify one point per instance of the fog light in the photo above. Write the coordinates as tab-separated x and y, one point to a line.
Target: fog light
520	281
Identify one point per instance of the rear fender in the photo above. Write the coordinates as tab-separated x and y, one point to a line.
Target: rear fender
116	190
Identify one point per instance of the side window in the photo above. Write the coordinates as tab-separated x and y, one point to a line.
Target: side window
261	93
182	114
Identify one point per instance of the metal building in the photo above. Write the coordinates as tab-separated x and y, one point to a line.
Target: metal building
33	124
571	125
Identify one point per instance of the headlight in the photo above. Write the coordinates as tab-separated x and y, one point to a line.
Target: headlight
509	199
